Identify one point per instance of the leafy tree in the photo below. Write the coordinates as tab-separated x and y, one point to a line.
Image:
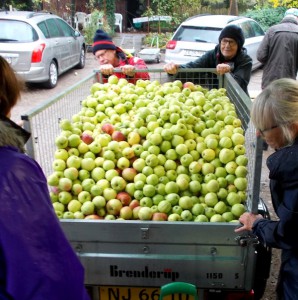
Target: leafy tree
267	16
18	4
108	6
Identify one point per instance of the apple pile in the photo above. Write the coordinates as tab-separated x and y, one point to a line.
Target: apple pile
151	151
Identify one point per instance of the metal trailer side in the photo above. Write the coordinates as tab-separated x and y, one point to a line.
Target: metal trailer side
148	254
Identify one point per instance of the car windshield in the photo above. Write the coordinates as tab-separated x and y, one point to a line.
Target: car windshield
197	34
16	31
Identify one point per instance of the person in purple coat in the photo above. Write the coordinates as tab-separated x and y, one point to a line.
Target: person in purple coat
36	260
275	114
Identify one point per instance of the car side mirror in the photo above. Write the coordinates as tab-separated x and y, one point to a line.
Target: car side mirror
77	34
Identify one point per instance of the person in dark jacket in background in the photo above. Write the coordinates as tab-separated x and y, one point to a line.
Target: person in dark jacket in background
110	57
228	56
278	51
36	260
275	114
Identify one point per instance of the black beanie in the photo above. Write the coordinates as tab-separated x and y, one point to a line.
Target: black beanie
102	41
234	32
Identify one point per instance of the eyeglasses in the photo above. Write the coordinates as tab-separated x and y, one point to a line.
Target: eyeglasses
225	42
101	55
267	129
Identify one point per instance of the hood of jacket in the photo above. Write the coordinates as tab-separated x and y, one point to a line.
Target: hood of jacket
290	19
12	134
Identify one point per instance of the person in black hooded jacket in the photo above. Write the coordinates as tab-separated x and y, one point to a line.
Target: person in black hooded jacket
228	56
275	114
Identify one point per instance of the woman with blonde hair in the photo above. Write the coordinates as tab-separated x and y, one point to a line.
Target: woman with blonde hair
275	115
36	260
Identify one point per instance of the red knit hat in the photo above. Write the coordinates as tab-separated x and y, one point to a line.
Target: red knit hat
103	41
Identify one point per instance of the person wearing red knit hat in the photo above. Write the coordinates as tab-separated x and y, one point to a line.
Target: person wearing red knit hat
111	57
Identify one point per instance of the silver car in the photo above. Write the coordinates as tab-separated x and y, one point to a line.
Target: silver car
199	34
40	46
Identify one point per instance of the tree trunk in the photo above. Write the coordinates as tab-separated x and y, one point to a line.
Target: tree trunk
233	9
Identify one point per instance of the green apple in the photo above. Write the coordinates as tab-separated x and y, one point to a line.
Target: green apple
118	183
226	155
212	186
211	199
208	154
181	149
145	213
240	183
238	209
185	202
197	209
201	218
186	215
238	139
164	206
233	198
64	197
58	165
61	154
149	190
53	180
241	160
74	205
71	173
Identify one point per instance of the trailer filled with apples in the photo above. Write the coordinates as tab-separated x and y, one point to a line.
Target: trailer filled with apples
149	179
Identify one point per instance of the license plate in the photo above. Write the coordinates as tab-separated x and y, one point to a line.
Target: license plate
135	293
193	53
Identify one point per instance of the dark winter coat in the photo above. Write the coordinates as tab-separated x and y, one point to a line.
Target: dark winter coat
279	51
36	260
282	234
241	65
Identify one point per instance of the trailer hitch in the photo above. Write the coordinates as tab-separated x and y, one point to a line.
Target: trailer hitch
246	240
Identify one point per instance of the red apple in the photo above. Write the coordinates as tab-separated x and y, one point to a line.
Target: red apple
135	212
108	128
118	136
189	85
124	197
129	173
86	138
93	217
158	216
134	203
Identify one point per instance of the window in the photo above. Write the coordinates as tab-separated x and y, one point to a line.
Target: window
16	31
198	34
43	27
247	30
53	28
66	29
257	29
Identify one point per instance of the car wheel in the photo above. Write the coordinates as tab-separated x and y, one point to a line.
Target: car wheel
53	76
81	64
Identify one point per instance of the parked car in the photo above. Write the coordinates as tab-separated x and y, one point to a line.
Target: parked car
199	34
40	46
